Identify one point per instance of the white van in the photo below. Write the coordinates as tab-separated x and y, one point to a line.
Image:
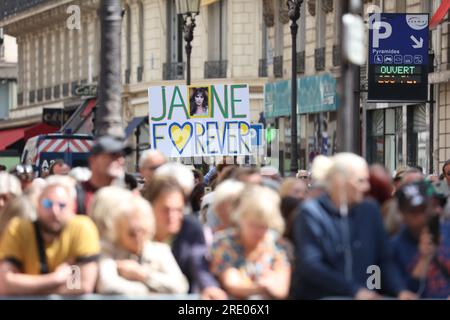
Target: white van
42	150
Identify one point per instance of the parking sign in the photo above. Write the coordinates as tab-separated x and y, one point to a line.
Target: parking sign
398	57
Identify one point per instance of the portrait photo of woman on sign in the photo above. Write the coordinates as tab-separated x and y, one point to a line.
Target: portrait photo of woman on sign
198	102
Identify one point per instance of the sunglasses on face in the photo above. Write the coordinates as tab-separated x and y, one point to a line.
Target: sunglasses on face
303	177
48	204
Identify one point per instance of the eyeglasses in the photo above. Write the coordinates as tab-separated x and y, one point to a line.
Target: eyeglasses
303	177
48	204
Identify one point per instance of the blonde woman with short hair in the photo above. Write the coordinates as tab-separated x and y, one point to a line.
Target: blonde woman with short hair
252	259
131	263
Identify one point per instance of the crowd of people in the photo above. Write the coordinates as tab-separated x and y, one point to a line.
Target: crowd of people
341	229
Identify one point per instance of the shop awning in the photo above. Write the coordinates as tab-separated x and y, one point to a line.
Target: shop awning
40	128
136	122
9	137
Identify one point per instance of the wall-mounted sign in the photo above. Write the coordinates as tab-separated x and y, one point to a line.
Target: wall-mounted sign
87	90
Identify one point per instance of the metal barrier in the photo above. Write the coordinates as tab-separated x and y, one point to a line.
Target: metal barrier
107	297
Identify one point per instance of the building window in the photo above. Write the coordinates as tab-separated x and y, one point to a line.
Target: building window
216	66
21	70
58	63
385	137
173	69
279	43
96	62
66	56
321	21
301	35
50	65
75	55
85	67
140	68
41	65
128	44
263	62
417	136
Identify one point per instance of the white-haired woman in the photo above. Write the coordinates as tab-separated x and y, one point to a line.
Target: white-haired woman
131	263
224	201
339	236
252	259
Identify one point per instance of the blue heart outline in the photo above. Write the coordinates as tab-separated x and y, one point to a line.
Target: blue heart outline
181	128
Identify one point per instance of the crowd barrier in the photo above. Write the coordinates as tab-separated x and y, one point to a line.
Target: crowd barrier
107	297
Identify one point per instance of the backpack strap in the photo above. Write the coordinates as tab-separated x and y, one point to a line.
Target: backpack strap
43	266
81	196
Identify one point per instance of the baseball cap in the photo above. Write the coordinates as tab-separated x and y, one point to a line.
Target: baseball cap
413	196
110	144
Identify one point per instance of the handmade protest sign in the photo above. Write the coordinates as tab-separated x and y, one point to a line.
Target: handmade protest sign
198	121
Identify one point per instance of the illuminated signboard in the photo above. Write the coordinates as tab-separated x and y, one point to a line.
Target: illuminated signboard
398	57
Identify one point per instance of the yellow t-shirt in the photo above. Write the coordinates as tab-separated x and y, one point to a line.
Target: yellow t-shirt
77	243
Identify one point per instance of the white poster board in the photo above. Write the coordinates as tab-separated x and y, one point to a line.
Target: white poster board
197	121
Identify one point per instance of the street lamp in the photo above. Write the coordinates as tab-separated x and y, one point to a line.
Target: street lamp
188	9
294	15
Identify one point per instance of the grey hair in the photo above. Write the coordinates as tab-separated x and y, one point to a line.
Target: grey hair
66	182
148	154
180	173
9	184
260	203
343	164
112	203
228	191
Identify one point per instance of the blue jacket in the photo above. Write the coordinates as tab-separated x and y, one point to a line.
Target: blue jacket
190	251
437	283
333	253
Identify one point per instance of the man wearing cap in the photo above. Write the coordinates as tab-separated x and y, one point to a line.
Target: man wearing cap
422	248
107	164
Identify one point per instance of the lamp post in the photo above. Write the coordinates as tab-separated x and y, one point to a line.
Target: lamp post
188	9
108	112
294	15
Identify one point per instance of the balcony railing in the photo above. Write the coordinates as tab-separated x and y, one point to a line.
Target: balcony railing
319	59
20	99
32	96
216	69
140	71
56	92
40	95
48	93
65	89
278	67
173	70
13	7
336	55
300	62
262	69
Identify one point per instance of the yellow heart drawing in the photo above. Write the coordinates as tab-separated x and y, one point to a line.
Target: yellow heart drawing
180	135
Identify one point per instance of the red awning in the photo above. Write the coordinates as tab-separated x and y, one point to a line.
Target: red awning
9	137
40	128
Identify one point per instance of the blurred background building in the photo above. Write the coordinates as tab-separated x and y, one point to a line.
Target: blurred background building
235	41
